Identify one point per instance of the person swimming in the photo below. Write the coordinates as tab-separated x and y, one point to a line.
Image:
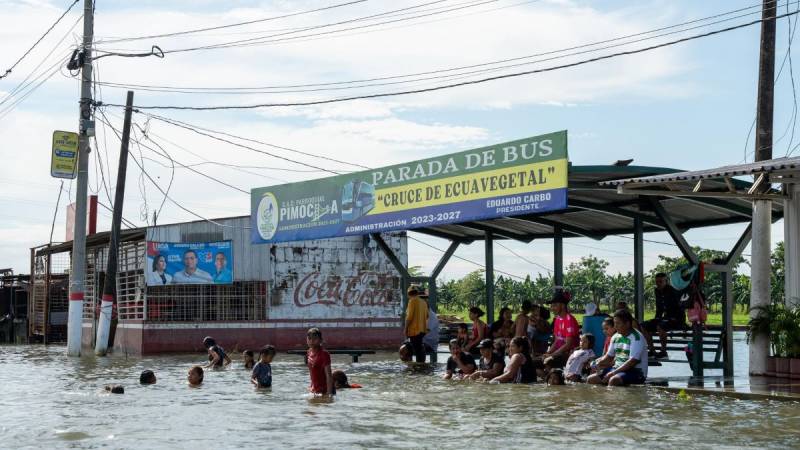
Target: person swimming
217	356
195	376
147	377
340	381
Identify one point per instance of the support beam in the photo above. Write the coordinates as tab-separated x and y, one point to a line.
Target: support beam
398	265
444	259
443	235
558	257
617	211
727	323
739	247
489	243
564	227
638	268
488	227
674	232
791	244
760	273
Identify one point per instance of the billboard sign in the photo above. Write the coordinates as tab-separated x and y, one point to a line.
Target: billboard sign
189	263
518	177
64	155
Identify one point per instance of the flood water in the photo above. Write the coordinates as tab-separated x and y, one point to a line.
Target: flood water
50	401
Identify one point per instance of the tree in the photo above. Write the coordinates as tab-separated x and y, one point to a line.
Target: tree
587	279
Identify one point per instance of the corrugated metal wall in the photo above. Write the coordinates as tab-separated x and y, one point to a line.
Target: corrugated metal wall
250	262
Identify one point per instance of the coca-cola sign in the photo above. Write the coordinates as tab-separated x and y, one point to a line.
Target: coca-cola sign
364	290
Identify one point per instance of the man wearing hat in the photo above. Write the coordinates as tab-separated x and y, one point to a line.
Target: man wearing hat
565	331
416	321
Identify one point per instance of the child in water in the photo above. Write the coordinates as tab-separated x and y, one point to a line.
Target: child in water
261	376
217	356
319	365
579	358
249	359
340	381
147	377
463	335
555	377
195	376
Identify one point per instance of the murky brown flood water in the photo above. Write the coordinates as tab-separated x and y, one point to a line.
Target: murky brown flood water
50	401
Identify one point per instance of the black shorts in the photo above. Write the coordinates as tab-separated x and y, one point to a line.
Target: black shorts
652	325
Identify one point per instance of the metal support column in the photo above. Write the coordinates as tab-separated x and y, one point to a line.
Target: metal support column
558	256
791	244
638	268
489	244
727	322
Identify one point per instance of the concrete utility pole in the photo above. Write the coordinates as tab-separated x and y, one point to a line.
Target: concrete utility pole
762	209
78	270
110	287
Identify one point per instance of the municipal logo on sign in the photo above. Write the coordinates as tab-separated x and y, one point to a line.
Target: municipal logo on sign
267	220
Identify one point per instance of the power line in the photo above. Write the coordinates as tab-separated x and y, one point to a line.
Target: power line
549	271
288	88
232	25
8	71
464	259
464	83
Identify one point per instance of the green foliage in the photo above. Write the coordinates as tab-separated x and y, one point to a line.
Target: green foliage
781	324
588	281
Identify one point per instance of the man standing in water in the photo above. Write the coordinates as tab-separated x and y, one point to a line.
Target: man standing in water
565	332
416	321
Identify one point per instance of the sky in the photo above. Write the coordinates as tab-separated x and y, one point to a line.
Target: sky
687	106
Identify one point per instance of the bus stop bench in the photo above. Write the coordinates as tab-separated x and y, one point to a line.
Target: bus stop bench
355	354
713	339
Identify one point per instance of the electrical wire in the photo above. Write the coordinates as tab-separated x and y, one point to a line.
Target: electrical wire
338	84
232	25
464	259
24	55
454	85
549	270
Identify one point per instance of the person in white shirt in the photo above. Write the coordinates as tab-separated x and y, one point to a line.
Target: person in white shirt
190	273
627	352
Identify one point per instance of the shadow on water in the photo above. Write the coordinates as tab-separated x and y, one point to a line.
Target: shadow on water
48	400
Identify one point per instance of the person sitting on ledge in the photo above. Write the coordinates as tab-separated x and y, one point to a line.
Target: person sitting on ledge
580	358
628	352
459	364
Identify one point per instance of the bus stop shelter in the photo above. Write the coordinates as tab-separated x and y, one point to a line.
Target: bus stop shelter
596	209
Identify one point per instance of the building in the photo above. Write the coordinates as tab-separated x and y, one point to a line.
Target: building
345	286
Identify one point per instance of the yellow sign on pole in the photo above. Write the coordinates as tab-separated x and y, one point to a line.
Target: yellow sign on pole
64	159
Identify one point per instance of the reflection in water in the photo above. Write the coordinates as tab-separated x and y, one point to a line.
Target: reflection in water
48	400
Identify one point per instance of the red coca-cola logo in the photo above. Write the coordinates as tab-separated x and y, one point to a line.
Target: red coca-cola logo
362	290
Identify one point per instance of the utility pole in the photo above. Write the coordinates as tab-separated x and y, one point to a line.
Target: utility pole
86	130
110	286
762	209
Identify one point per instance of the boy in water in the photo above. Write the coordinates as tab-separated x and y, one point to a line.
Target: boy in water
217	358
147	377
249	359
406	352
459	364
463	335
261	376
580	358
319	365
195	376
555	377
340	381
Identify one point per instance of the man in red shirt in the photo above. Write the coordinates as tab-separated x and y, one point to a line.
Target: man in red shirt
319	364
565	331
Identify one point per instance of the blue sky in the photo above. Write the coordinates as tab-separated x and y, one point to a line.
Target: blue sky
688	106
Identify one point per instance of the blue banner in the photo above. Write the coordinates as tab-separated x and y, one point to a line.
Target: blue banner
170	263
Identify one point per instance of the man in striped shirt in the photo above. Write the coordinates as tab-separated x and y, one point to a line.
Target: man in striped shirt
625	362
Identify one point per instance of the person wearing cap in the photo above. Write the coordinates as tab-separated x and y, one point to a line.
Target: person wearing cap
459	363
490	364
416	321
565	331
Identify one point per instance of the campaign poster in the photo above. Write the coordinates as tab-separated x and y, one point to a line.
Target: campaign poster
173	263
526	176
